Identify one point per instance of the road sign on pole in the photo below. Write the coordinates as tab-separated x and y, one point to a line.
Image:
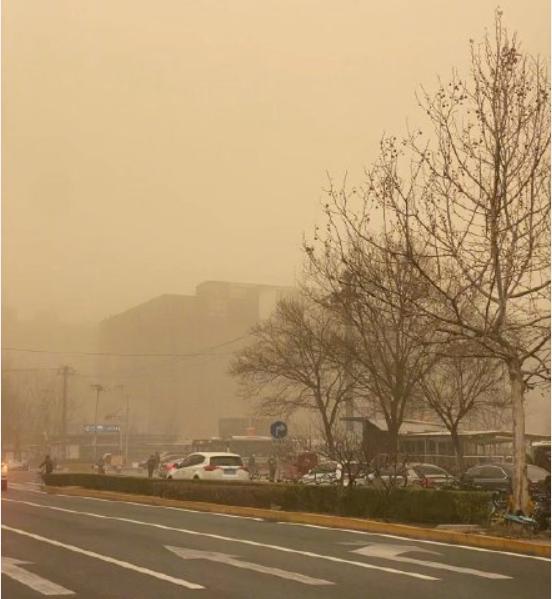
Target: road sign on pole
278	429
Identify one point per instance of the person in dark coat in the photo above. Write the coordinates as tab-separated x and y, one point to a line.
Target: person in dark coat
252	466
272	468
47	464
151	465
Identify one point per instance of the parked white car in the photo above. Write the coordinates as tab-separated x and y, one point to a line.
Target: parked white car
210	466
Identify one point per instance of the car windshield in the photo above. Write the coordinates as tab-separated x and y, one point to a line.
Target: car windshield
429	470
226	460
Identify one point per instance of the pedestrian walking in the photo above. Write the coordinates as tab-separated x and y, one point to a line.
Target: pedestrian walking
252	466
272	468
151	465
101	466
47	464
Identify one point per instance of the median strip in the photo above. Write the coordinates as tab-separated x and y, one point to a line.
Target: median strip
462	539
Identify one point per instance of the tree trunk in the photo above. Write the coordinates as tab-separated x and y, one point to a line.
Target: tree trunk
393	442
519	481
458	450
328	433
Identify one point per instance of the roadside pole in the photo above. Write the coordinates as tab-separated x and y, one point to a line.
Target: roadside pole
65	372
127	421
99	388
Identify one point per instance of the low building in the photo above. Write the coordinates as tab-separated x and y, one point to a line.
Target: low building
431	442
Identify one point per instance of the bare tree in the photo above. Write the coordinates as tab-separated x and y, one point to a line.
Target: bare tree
27	407
468	206
456	388
292	365
387	345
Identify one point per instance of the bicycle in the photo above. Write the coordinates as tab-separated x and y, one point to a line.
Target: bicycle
501	514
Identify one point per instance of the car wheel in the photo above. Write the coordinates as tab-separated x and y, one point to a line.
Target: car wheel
4	485
169	477
196	477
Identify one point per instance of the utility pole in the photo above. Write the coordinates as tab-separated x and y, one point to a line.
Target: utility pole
124	453
99	388
65	372
127	421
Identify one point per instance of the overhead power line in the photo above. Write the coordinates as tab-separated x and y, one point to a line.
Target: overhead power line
205	352
26	369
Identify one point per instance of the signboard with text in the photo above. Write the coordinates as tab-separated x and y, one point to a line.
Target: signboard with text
102	428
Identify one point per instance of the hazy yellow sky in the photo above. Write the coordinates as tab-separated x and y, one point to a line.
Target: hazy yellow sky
148	146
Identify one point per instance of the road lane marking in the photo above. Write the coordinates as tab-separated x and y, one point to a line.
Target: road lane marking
24	487
209	535
162	507
230	560
12	567
178	509
105	558
412	539
394	553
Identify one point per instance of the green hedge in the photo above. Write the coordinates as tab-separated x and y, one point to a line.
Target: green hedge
399	505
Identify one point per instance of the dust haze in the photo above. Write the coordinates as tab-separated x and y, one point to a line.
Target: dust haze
151	146
163	160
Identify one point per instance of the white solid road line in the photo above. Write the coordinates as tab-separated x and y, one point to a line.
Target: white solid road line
208	535
105	558
161	507
411	539
394	553
12	567
230	560
26	487
178	509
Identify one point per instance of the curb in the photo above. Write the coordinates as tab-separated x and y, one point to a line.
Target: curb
404	530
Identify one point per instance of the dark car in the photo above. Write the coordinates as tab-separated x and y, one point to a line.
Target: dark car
414	473
498	477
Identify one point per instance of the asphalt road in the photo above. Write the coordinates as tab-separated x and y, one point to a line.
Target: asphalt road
61	546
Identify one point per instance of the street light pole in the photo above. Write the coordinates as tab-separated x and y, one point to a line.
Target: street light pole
99	388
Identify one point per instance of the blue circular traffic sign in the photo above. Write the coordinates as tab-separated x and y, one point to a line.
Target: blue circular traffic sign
278	429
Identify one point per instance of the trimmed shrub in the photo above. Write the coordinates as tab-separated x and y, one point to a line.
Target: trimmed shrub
414	505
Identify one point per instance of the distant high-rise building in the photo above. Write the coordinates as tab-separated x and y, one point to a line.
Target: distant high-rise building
185	388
